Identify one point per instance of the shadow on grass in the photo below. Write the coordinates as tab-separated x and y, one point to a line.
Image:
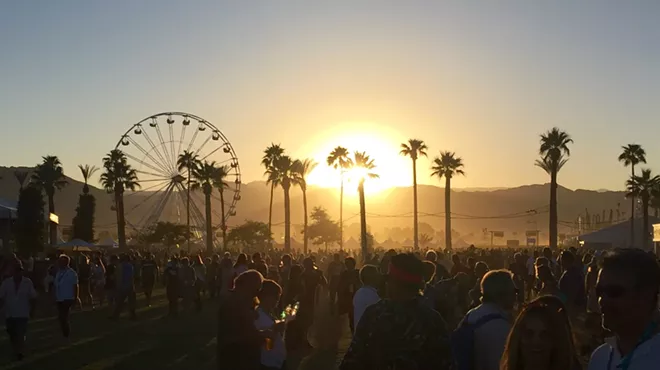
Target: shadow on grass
153	341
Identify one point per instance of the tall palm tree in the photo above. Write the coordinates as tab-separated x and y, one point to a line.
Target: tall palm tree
554	153
21	176
49	175
414	149
87	171
655	201
632	155
220	182
643	187
187	161
271	154
339	160
117	177
362	161
301	170
204	177
283	173
447	165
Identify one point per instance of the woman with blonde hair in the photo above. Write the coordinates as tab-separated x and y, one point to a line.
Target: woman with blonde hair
541	338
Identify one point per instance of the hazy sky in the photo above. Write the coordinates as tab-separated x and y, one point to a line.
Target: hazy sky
481	78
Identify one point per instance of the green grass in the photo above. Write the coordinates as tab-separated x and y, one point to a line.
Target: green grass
152	342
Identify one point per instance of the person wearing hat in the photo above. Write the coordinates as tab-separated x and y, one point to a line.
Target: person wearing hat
18	297
401	331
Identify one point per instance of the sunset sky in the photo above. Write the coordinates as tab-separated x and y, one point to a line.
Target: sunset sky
478	78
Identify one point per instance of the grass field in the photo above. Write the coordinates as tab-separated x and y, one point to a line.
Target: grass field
152	342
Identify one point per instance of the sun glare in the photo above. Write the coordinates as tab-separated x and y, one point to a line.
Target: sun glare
392	169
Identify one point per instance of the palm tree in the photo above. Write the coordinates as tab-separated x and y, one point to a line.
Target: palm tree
447	165
187	161
301	170
283	174
643	187
49	175
554	155
204	177
339	160
271	154
414	149
21	176
87	171
117	177
221	183
366	164
632	155
655	201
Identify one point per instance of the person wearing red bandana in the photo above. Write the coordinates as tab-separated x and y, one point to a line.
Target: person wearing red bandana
400	332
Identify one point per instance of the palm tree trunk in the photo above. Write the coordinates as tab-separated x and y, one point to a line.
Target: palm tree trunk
223	224
363	222
52	230
121	223
553	210
416	226
287	219
188	211
632	213
645	227
448	212
270	214
304	191
209	222
341	213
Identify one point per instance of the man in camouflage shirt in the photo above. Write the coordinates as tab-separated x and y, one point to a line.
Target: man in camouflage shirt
400	333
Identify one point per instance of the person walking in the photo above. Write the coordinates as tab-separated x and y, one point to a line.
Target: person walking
172	286
367	295
18	298
149	277
66	293
400	332
125	287
628	287
541	338
488	324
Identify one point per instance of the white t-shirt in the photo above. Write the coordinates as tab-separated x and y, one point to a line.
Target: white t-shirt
17	301
64	282
363	298
276	356
646	356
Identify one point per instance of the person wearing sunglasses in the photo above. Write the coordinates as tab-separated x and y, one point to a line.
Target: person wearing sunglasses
627	289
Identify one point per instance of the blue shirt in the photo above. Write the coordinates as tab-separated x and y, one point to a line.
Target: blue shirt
127	274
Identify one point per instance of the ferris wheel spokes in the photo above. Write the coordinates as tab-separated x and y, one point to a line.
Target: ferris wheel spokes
146	199
154	216
162	165
163	161
183	135
166	154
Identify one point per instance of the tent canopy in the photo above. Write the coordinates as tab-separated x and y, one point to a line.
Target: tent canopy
8	209
75	243
618	236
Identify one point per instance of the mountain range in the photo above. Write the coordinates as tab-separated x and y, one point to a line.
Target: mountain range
389	214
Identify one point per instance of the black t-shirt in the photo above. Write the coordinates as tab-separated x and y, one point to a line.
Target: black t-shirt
149	269
239	342
110	281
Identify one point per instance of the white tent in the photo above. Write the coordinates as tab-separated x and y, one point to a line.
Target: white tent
8	209
618	236
108	243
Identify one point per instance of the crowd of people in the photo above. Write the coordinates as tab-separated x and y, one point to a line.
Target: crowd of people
475	309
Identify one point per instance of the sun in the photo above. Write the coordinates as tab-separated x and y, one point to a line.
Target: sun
392	169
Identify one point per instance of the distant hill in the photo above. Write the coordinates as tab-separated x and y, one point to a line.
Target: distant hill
474	210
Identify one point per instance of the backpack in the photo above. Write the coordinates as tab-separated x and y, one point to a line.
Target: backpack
462	341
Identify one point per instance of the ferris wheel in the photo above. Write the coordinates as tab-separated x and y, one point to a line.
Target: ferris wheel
153	147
